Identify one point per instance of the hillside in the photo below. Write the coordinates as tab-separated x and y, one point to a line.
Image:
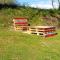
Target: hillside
35	16
15	45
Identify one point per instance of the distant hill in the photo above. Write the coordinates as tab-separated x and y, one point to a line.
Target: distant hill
35	16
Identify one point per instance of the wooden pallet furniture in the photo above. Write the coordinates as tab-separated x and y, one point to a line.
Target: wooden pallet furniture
46	31
20	24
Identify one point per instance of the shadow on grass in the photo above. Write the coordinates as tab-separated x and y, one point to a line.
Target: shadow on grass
8	6
13	6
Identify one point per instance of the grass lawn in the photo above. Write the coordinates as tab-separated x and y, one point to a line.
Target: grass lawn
20	46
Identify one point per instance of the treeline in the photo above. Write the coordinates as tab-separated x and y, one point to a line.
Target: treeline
55	2
7	4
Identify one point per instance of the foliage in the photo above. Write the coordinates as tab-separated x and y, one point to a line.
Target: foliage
6	1
35	16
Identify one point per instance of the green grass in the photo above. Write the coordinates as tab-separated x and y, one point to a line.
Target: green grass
15	45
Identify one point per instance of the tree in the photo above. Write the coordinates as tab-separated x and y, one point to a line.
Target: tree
59	4
53	4
55	1
6	1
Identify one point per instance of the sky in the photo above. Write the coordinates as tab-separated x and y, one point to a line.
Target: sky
46	4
